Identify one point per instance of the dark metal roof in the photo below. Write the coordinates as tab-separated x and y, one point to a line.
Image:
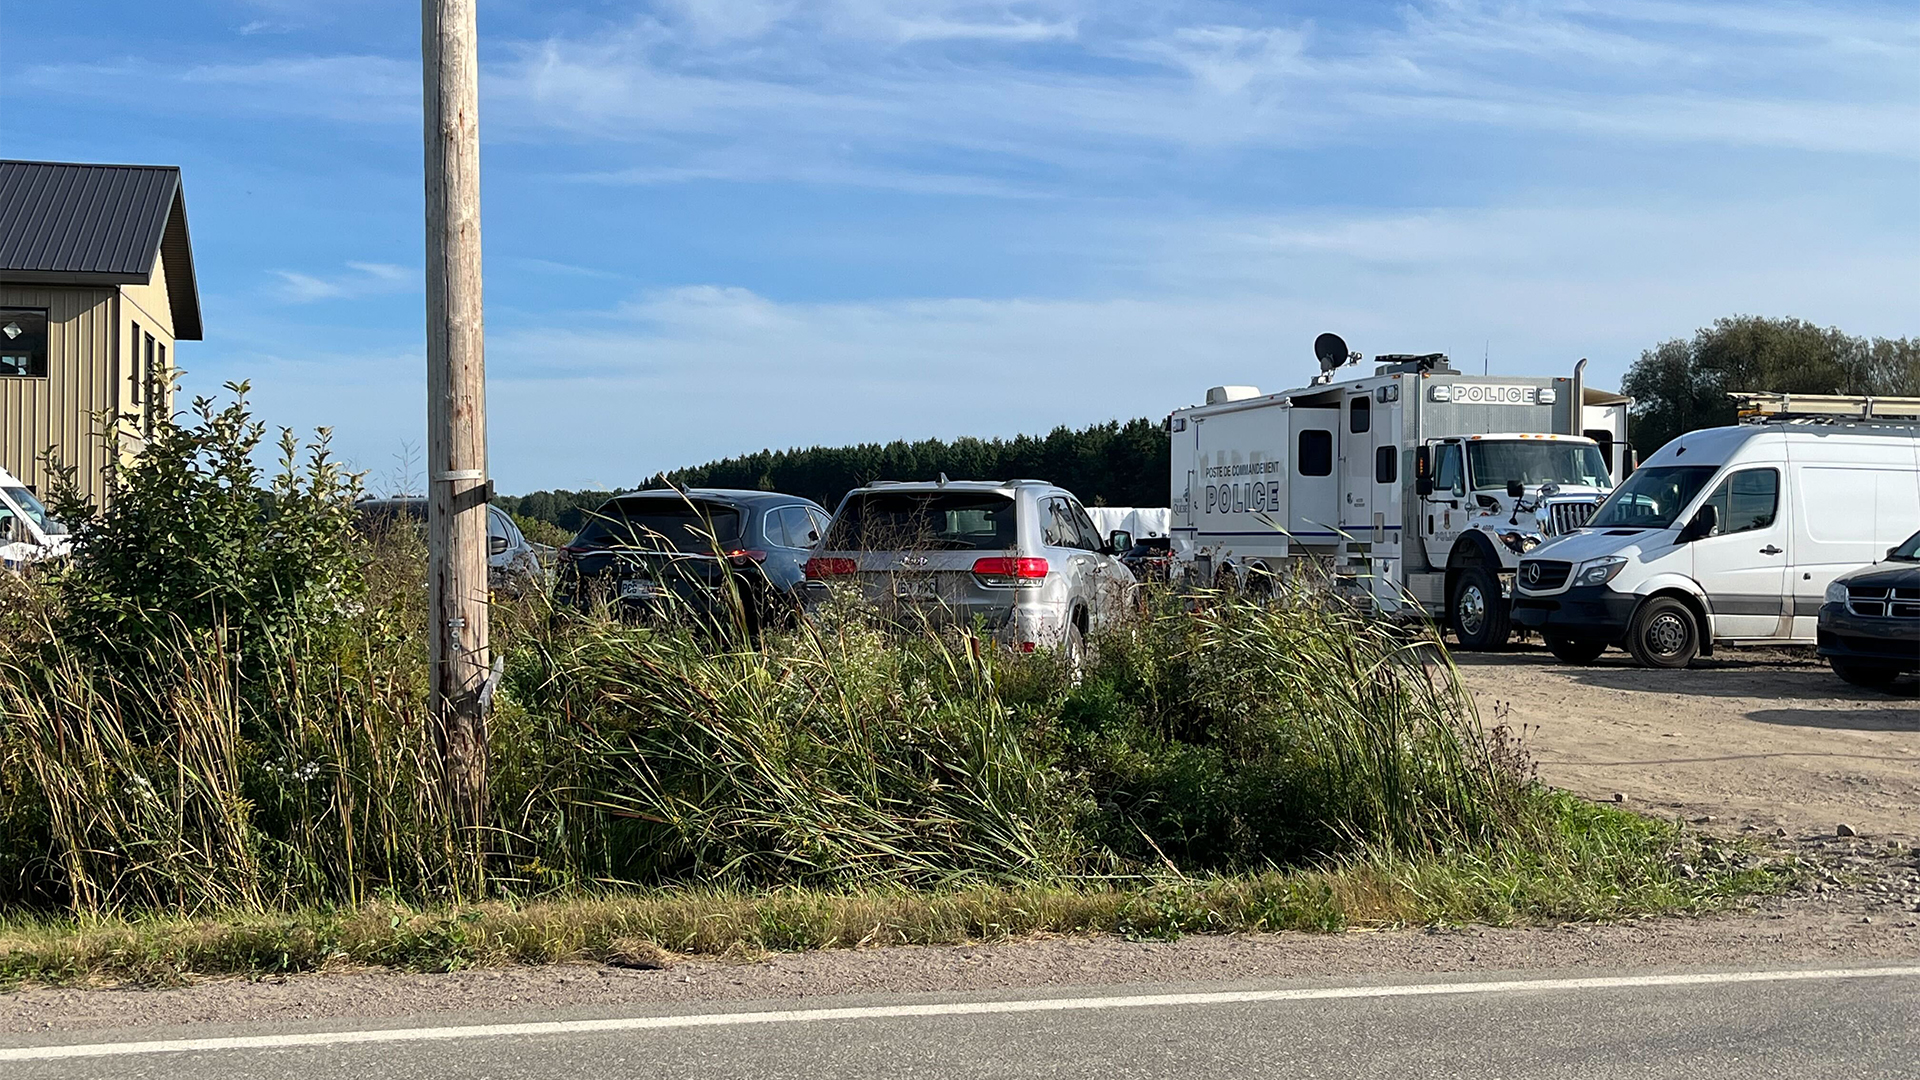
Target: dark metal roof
70	224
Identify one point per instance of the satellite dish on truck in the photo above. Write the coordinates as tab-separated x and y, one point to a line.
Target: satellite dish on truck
1332	352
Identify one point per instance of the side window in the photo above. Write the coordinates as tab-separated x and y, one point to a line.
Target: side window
1448	476
819	522
1360	415
791	527
1316	453
1386	465
1059	530
1746	501
1083	524
23	342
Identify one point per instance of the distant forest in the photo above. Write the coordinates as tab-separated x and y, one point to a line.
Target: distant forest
1110	464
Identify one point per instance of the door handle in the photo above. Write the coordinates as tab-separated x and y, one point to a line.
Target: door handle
1770	550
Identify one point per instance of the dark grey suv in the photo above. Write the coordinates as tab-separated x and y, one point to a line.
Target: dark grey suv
706	552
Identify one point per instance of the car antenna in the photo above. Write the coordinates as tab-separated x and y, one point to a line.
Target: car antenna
943	480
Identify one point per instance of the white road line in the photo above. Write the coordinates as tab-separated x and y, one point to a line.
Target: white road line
958	1008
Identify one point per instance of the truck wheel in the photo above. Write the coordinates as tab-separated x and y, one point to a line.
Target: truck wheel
1664	634
1575	652
1480	614
1872	676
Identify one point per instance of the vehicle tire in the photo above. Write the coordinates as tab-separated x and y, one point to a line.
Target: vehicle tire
1575	652
1073	653
1664	634
1480	615
1872	676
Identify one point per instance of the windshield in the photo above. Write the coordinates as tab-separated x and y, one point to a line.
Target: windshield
1908	551
661	524
1652	498
924	521
34	509
1534	463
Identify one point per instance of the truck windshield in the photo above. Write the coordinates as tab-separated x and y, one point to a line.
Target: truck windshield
1652	498
34	509
1533	463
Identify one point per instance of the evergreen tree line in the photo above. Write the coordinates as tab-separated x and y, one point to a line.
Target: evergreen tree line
1677	386
1110	464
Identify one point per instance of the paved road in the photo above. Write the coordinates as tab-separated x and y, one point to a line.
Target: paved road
1850	1023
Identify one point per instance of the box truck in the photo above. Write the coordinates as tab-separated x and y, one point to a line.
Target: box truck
1417	486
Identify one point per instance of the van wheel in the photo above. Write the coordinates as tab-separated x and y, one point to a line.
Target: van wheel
1872	676
1480	615
1575	652
1664	634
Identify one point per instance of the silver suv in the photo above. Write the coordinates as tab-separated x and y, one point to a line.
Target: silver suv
1020	557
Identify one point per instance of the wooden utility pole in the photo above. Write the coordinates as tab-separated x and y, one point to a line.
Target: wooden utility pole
456	406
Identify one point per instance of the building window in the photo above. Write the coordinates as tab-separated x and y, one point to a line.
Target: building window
1316	452
1386	465
23	343
146	389
133	363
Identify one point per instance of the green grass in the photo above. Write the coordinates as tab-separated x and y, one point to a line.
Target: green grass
1601	870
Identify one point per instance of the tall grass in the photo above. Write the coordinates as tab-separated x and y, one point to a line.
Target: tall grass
1211	735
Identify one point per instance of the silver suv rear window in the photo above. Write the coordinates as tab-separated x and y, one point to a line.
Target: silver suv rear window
924	521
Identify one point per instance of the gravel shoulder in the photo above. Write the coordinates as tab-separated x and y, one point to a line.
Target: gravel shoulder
1767	738
1763	744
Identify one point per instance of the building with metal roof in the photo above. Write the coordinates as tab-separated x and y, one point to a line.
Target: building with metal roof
96	287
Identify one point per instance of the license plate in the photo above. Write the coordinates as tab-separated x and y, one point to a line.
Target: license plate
917	594
638	590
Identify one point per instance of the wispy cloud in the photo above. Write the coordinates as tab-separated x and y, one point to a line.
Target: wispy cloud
362	279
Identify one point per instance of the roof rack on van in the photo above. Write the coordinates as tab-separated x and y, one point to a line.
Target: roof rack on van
1766	407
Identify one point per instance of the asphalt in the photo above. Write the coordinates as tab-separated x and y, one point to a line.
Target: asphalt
1701	1025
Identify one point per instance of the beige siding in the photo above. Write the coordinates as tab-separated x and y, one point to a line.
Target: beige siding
58	412
149	306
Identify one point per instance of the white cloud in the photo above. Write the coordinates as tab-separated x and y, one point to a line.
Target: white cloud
363	279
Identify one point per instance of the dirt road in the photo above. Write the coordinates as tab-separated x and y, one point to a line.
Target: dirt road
1763	738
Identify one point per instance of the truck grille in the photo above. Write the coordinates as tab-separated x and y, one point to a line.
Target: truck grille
1543	575
1565	517
1884	601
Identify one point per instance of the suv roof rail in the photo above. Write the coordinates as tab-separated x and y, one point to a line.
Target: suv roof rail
1764	407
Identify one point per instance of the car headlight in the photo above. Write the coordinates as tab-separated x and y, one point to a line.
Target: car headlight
1836	593
1599	571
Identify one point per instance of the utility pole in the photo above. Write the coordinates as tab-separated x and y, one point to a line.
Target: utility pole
456	408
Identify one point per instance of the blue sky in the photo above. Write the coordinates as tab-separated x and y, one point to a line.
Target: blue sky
712	227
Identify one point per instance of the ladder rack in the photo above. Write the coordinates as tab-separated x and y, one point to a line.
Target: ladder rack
1765	407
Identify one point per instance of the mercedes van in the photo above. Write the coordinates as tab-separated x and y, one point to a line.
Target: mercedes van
28	533
1728	536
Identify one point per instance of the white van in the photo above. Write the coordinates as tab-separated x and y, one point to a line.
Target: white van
28	534
1727	536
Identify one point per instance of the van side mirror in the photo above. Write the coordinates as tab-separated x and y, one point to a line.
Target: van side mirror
496	545
1119	541
1702	525
1515	489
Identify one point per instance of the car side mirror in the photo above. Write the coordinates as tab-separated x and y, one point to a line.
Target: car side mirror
1515	489
1118	541
496	545
1702	525
1891	550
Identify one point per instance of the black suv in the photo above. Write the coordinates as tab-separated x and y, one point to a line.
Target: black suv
1870	620
705	552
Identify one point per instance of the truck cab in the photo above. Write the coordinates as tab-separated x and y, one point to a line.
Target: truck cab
28	533
1486	500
